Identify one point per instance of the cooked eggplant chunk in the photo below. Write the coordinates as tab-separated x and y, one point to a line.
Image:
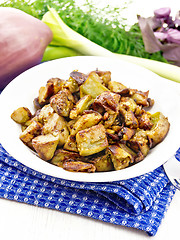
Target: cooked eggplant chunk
78	77
45	145
21	115
103	163
145	121
89	123
128	104
77	166
105	76
91	140
71	144
126	134
109	101
86	121
129	118
140	143
31	131
56	124
61	155
57	84
81	105
92	86
120	158
116	87
45	93
62	102
44	113
160	128
141	98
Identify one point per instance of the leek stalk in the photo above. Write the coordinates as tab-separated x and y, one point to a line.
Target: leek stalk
66	37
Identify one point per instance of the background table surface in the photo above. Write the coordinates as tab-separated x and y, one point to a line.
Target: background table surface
23	221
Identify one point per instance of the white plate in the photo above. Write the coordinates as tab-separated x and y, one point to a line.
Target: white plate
22	90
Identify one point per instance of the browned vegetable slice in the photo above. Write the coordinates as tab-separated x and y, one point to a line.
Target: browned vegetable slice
145	121
126	133
72	85
78	77
45	145
81	105
129	118
61	155
56	125
45	93
21	115
31	131
109	101
71	144
103	163
116	87
120	158
91	140
78	166
141	98
92	86
44	113
57	84
160	129
128	104
62	102
86	121
140	143
105	76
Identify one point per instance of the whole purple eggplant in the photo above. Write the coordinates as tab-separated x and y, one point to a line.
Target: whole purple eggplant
23	40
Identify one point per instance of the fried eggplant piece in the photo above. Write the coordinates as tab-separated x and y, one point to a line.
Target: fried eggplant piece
78	166
116	87
81	105
141	98
139	142
92	86
103	163
105	76
129	118
62	102
72	85
91	140
145	121
160	128
31	131
79	77
112	136
86	121
71	144
128	104
57	84
61	155
109	101
45	92
21	115
56	125
120	158
44	113
128	150
111	120
45	145
126	133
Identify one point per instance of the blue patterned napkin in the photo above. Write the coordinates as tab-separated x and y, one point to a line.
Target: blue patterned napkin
139	203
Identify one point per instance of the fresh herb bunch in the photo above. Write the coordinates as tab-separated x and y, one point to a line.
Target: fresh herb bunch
110	34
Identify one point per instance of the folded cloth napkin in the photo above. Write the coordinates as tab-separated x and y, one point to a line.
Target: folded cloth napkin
139	203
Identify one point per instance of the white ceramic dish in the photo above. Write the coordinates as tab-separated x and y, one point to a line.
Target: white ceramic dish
22	90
